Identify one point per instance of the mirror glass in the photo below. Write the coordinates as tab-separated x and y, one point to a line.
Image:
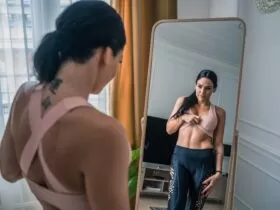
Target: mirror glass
196	65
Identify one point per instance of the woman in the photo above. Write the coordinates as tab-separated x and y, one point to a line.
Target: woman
195	167
72	156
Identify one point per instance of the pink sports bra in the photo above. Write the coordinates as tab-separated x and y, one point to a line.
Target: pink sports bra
208	122
60	198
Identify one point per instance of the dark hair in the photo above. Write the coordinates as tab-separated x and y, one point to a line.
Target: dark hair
80	29
191	100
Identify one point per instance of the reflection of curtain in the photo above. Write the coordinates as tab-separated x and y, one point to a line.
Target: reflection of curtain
128	89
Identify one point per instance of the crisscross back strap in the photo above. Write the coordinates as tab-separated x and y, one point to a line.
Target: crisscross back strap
41	126
59	200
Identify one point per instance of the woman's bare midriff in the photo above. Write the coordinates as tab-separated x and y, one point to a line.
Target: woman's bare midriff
193	137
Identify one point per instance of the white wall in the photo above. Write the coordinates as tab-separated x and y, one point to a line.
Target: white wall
193	8
222	8
258	170
207	8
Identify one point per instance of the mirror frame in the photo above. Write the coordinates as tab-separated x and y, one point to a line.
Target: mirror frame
229	197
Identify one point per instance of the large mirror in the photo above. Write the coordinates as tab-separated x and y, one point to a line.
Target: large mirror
189	138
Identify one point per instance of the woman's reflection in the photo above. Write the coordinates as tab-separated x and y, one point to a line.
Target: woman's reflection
197	158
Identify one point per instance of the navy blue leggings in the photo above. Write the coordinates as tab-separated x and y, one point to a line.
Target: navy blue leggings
189	168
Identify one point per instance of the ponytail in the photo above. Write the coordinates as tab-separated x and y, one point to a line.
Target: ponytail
46	59
188	102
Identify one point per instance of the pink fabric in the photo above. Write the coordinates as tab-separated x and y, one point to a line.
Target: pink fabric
208	121
60	198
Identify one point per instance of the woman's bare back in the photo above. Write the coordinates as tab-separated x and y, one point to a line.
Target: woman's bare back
66	145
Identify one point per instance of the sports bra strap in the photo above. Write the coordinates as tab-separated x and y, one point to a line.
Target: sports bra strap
40	126
59	200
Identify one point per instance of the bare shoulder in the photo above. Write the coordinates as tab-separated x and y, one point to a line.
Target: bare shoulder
97	132
23	91
177	105
180	100
221	113
98	140
23	94
105	125
21	99
103	160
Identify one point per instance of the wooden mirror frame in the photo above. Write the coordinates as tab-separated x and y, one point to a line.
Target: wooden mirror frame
229	197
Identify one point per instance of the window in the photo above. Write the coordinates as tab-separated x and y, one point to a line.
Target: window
16	48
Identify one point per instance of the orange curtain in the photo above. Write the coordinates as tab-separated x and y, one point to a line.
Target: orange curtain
127	91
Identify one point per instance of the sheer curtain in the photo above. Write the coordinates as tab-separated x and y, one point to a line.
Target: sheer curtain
22	25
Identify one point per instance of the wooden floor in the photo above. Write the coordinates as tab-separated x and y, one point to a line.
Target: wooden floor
146	202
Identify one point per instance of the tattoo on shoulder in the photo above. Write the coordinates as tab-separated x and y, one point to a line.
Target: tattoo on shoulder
55	84
46	103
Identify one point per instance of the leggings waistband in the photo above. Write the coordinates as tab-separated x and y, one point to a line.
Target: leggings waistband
193	153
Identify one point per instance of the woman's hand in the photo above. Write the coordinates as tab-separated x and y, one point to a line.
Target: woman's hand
209	183
191	119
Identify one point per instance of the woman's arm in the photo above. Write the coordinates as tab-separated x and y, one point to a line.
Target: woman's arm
174	124
105	168
218	139
9	166
219	147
